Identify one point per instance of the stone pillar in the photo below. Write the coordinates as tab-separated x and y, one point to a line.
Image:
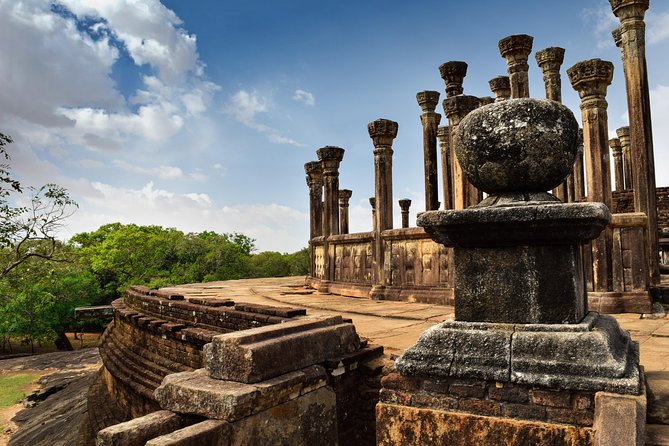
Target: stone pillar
618	173
344	196
550	60
314	173
428	100
446	174
382	132
624	137
515	50
330	158
631	38
453	73
576	181
500	87
372	203
455	109
405	203
591	79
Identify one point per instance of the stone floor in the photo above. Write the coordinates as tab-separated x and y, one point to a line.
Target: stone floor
397	325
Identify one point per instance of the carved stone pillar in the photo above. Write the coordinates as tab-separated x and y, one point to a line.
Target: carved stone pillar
576	181
372	203
382	132
453	73
500	87
344	196
591	79
314	173
631	38
405	203
428	101
515	50
618	174
443	134
456	108
624	137
550	60
330	158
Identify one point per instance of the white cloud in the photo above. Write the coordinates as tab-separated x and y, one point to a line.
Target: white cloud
305	97
198	176
603	22
245	106
162	172
659	102
658	26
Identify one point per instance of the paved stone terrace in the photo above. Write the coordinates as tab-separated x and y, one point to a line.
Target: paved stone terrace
397	325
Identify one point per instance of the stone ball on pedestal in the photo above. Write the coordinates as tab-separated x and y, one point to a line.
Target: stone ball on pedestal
520	145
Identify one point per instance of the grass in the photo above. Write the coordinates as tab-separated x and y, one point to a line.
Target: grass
13	388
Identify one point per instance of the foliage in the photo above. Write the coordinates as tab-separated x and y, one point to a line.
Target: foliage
274	264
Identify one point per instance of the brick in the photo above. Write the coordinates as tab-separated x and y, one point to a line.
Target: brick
434	386
509	393
396	381
480	407
550	398
583	401
524	411
434	401
463	389
395	397
570	416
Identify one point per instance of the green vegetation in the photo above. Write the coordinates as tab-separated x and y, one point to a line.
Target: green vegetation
43	279
13	388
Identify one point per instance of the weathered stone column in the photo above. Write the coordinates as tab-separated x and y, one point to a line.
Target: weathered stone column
344	196
330	158
591	79
314	171
372	203
405	203
455	109
550	60
576	181
443	134
624	137
453	73
618	173
428	101
515	50
500	87
382	132
631	38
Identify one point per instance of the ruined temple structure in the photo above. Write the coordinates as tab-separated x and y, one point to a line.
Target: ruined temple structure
403	263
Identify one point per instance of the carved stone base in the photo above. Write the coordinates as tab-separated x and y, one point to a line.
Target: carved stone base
594	355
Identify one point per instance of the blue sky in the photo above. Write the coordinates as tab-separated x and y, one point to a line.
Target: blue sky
201	114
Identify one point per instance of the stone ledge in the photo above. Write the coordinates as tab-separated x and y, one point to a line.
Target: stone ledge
198	394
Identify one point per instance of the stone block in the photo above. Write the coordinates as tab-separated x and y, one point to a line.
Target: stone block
552	398
258	354
208	432
400	425
198	394
138	431
619	419
509	393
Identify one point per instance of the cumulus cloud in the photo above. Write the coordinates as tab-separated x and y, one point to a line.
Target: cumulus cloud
659	101
304	97
658	26
603	22
162	172
245	106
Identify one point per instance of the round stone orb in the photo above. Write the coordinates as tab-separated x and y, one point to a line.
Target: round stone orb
518	145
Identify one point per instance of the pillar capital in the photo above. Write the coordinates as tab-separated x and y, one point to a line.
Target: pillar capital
382	132
623	132
344	196
617	36
428	100
515	50
616	147
330	157
314	171
453	73
405	203
457	107
629	9
372	202
591	78
443	132
550	59
500	87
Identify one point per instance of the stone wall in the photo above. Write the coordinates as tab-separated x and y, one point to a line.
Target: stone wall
623	202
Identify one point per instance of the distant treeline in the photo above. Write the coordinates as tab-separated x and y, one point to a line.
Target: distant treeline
37	298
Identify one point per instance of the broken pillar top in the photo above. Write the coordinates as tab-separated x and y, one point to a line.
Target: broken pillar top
382	132
550	58
427	100
344	196
629	9
616	146
405	203
521	145
330	153
516	49
453	73
623	132
457	107
314	171
501	87
591	77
